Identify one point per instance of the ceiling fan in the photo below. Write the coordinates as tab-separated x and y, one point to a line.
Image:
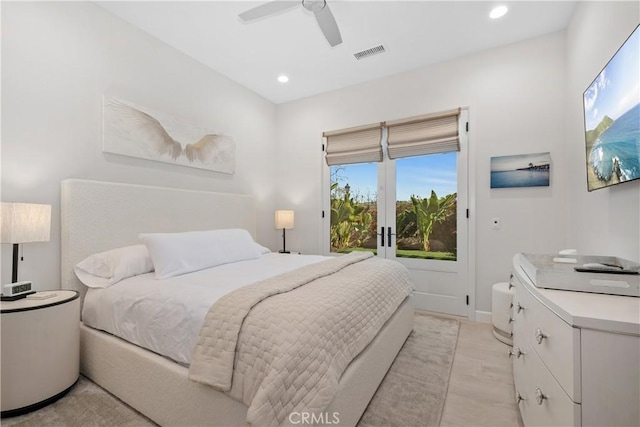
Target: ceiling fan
320	9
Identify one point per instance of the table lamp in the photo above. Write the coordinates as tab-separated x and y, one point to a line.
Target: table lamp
24	223
284	220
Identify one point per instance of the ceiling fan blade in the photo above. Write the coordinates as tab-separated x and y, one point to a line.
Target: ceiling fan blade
328	25
267	9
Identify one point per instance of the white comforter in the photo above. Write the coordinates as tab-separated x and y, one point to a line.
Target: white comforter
165	316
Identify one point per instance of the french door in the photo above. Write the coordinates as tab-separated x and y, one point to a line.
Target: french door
412	210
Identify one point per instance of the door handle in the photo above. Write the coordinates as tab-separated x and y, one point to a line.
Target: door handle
388	237
381	236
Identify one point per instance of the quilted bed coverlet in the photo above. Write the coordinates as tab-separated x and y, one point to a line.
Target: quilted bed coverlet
282	344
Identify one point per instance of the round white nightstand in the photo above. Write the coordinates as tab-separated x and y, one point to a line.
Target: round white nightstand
40	350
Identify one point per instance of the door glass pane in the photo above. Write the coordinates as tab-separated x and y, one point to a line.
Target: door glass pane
353	207
426	220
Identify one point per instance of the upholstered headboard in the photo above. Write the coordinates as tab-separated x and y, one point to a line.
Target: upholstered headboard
97	216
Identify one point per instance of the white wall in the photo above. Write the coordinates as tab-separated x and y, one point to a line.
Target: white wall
606	221
58	59
516	99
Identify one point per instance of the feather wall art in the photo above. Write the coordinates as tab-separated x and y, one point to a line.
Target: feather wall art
135	131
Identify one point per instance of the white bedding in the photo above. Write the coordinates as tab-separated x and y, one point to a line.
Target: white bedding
165	316
282	345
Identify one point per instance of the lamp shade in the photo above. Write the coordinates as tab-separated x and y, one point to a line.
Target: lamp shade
284	219
25	222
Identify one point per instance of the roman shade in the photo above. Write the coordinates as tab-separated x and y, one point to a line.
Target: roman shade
427	134
360	144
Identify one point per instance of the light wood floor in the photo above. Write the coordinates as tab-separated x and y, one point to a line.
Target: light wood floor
481	391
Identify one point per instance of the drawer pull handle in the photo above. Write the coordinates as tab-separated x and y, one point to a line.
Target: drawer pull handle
519	398
511	281
511	319
511	305
519	308
540	336
517	353
540	397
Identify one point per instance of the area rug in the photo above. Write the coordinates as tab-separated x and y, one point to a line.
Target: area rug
414	390
412	393
86	405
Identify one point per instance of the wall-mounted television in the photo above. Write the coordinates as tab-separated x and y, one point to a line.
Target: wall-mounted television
612	119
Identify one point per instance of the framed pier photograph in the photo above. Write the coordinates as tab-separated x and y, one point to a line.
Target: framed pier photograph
524	170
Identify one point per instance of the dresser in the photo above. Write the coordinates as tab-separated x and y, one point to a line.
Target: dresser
576	356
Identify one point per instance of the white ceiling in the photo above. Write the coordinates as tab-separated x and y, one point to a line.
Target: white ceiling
414	33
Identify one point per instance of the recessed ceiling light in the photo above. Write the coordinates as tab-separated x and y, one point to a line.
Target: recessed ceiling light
283	79
498	12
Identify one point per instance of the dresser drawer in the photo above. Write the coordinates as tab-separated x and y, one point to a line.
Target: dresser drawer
543	402
556	342
522	368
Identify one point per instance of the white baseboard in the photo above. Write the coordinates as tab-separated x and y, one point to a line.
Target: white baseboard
483	316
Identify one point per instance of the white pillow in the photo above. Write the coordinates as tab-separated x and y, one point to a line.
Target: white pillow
179	253
262	249
107	268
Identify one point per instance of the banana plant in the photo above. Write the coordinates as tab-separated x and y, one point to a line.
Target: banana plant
428	212
406	223
349	219
362	224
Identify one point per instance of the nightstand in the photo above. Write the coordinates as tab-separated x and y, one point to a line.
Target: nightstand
40	350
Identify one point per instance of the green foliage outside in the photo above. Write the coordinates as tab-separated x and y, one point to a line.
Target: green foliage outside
426	227
428	213
350	220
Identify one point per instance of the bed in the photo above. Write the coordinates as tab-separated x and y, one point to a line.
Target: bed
98	216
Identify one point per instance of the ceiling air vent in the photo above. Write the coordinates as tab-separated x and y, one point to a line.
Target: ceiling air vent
369	52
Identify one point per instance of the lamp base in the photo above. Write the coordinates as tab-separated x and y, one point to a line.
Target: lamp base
14	268
284	252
